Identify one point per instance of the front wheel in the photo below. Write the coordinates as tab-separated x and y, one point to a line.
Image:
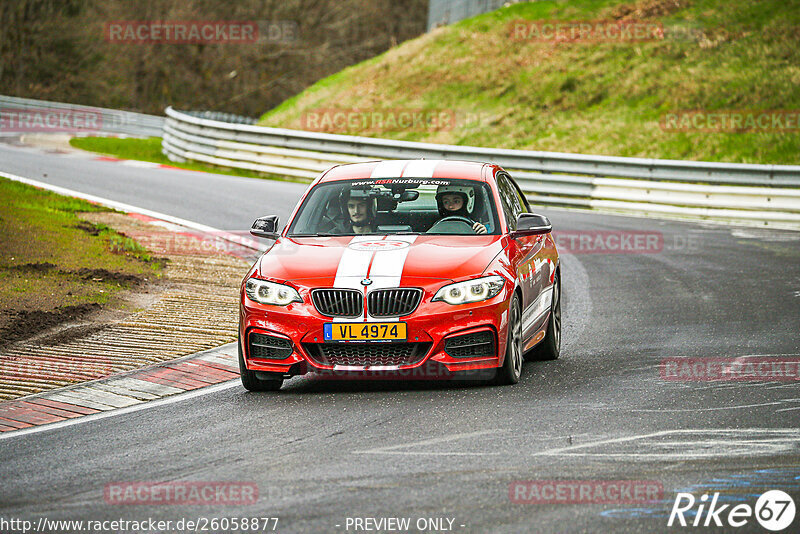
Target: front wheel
511	369
251	382
550	347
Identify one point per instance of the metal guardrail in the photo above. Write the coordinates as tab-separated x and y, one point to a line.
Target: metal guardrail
764	194
110	120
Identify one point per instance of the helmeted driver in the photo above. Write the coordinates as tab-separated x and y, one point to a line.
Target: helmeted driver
458	201
359	209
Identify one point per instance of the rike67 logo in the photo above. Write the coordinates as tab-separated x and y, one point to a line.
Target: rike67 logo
774	510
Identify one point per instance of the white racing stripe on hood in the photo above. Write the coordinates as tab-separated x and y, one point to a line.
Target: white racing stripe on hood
421	168
387	266
353	267
388	169
387	269
354	264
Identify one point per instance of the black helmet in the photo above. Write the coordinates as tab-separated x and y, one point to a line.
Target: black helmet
359	194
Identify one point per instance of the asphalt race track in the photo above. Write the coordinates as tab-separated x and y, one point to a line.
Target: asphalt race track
323	451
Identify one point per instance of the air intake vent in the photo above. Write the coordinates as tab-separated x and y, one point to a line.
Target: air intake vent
393	302
269	347
475	345
367	354
338	302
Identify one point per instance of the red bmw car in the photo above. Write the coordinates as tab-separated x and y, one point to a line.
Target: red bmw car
395	266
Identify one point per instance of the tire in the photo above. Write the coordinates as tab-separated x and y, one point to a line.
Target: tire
550	347
509	373
251	382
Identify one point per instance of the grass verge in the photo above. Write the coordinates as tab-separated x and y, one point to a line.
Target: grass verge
57	267
589	97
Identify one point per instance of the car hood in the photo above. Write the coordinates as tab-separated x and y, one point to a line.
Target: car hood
390	261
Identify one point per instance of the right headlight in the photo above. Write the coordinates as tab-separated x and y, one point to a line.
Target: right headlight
471	290
271	293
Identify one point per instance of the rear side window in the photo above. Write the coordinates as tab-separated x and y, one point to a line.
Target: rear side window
513	205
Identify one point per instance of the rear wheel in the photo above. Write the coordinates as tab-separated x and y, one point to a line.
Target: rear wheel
550	347
251	382
511	369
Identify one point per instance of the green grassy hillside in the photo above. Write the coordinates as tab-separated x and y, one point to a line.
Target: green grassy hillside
584	97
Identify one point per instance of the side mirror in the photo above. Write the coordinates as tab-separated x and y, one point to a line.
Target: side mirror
266	227
532	224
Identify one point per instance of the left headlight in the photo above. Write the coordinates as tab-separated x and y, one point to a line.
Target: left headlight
471	290
271	293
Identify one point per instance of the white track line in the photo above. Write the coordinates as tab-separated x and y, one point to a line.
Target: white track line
392	449
128	208
121	411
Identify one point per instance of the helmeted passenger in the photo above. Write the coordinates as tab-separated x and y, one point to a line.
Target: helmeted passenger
458	201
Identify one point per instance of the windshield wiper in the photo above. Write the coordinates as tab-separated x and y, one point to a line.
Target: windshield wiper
315	235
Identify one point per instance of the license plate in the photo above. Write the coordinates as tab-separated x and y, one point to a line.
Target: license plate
365	331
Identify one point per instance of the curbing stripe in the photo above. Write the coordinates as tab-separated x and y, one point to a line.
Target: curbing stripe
47	409
69	397
218	366
12	423
22	415
80	410
223	361
135	384
119	390
168	383
166	374
209	369
189	374
112	399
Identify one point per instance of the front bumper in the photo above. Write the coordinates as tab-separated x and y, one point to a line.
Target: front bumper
429	326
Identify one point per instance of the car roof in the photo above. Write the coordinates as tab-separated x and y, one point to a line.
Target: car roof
416	168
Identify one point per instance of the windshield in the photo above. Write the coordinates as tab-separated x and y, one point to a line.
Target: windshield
397	206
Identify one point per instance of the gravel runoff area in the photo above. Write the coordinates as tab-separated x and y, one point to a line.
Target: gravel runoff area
193	309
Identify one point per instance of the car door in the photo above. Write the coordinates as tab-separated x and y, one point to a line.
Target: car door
531	262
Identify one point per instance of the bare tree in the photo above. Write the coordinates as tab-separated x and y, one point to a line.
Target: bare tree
56	49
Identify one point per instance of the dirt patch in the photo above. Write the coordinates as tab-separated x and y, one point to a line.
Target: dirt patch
25	323
72	333
648	9
89	228
38	267
104	275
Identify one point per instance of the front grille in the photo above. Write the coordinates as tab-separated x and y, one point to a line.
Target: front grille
269	347
338	302
393	302
475	345
367	354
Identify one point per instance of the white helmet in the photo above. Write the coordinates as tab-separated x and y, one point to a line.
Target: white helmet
467	192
